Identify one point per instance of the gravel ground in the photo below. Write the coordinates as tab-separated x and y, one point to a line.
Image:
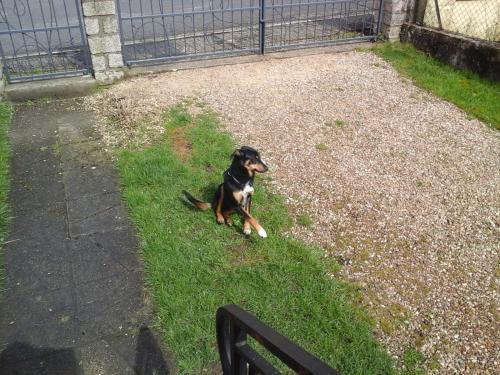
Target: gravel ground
402	187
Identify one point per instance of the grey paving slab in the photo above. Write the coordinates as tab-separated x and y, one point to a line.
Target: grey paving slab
74	127
96	213
54	324
35	192
32	163
83	155
119	244
74	301
24	359
90	181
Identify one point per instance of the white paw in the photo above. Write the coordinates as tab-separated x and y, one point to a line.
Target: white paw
247	231
262	233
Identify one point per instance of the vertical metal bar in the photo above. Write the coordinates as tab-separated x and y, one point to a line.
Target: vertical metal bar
232	24
262	25
51	59
223	28
315	21
120	21
290	23
251	21
298	22
194	26
213	25
324	22
155	47
184	27
134	48
238	338
363	25
380	16
241	24
16	10
281	22
307	20
5	70
357	17
54	17
333	25
14	53
85	47
420	7
438	14
348	13
272	23
166	42
204	30
143	30
173	27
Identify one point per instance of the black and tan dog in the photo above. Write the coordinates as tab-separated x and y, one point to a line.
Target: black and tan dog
235	193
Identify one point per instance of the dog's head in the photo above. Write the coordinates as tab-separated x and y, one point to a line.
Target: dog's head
249	158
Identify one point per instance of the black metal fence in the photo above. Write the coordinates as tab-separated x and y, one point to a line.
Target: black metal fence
474	18
234	325
158	30
42	38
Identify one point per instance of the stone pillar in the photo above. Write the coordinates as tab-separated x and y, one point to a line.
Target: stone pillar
101	26
396	12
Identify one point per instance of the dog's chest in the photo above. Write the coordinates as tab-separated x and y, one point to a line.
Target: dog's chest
246	192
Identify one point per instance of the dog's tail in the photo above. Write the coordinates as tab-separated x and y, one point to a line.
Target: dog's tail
196	202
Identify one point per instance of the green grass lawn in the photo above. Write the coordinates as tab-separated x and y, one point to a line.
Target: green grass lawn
5	116
476	96
193	266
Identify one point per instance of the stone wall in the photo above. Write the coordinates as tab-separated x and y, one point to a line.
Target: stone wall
462	52
104	39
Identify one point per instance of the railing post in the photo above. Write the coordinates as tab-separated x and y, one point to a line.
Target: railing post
262	25
102	31
438	14
380	17
419	14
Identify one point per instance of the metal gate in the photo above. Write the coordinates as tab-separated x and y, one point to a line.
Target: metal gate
42	39
159	30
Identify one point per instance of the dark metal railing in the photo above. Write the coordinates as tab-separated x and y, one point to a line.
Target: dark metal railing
166	30
234	325
42	39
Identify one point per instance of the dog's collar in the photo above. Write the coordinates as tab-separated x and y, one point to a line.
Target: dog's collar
234	178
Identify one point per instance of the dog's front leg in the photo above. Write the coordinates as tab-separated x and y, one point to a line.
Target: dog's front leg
247	228
253	222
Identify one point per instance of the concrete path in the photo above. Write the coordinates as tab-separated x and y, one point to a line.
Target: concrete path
74	301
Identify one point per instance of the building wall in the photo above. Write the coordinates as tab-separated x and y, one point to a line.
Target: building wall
480	19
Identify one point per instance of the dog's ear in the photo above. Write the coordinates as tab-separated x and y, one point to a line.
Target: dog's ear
236	154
